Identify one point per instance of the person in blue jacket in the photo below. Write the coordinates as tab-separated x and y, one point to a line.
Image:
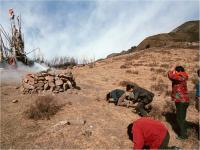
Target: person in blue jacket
197	91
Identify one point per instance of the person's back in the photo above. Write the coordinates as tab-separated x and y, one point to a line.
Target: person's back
147	131
114	95
142	94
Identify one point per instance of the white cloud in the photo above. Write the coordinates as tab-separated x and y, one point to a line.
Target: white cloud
104	28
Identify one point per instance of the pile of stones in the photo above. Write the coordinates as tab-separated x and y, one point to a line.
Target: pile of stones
44	81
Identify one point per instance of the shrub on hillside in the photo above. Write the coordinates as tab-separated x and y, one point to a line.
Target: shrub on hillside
132	72
125	82
168	107
152	69
160	87
43	107
126	65
154	64
164	66
137	64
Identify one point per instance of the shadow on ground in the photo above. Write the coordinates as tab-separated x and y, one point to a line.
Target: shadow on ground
171	119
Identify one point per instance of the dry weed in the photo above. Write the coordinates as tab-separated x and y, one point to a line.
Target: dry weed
132	72
156	112
168	93
160	87
44	107
138	64
194	80
153	78
129	58
196	58
154	64
125	82
164	66
135	56
152	69
169	107
161	71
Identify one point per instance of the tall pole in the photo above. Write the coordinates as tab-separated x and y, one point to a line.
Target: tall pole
1	48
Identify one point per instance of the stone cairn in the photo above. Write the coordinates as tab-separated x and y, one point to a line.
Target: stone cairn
44	81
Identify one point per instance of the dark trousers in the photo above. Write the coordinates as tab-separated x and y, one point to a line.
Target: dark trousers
181	111
140	109
165	142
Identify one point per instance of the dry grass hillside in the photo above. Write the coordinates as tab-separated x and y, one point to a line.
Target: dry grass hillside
182	36
105	125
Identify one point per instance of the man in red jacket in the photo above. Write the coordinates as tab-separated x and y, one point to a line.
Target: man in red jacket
179	95
149	132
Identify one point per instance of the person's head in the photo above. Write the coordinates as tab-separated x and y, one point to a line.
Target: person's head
129	131
198	72
179	69
131	87
107	96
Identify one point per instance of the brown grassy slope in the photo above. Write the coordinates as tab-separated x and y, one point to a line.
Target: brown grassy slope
187	32
105	123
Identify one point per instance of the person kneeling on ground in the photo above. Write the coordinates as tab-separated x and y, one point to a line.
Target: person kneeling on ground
147	132
138	95
115	95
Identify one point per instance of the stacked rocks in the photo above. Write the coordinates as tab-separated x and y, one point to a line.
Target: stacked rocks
44	81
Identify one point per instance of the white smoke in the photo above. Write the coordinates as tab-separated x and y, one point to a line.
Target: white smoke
15	74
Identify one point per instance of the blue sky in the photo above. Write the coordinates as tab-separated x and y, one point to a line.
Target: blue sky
88	29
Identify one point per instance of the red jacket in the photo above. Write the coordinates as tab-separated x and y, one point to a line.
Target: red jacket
179	86
147	131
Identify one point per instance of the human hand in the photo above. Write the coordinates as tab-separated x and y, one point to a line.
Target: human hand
172	67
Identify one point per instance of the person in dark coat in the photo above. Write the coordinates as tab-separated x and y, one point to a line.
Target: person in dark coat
140	96
124	96
114	95
179	95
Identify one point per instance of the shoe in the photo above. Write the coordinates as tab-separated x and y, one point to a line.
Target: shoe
182	138
175	148
111	100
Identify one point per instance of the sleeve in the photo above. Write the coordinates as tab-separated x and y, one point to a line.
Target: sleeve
136	95
121	100
138	139
173	76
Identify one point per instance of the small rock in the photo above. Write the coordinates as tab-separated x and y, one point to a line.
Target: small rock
40	84
27	86
31	82
65	86
87	133
49	78
41	78
51	84
15	101
61	90
46	86
29	78
69	84
17	87
59	82
69	103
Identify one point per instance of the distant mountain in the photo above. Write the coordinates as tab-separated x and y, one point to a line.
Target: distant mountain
184	36
179	37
